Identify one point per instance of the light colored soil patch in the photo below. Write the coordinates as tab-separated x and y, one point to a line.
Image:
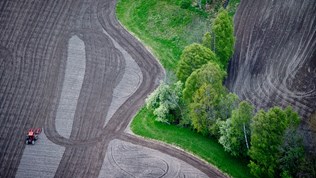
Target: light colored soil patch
125	159
41	159
128	85
74	74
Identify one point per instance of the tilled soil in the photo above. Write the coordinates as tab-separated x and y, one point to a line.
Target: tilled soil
275	57
62	64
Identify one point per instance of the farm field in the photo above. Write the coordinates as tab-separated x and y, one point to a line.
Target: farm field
70	68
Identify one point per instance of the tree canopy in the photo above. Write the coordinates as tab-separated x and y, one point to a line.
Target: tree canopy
267	135
223	37
192	58
227	105
203	109
207	40
164	99
235	131
209	73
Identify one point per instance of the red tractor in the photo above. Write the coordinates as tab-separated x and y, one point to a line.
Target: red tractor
32	135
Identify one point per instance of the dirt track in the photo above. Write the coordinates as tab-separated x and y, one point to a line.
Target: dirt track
39	84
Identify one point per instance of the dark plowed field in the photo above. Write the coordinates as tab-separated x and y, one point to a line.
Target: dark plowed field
63	63
275	56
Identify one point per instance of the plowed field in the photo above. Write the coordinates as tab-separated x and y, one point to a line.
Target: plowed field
69	67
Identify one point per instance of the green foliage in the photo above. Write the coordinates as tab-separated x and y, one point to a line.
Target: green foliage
291	153
232	7
192	58
228	102
163	100
235	131
185	4
207	40
204	108
163	26
227	105
209	73
223	37
267	134
209	149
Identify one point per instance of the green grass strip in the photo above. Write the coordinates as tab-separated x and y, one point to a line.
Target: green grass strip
204	147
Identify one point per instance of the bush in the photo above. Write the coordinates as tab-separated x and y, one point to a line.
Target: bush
164	101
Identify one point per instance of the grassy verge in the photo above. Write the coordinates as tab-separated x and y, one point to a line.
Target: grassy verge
204	147
163	26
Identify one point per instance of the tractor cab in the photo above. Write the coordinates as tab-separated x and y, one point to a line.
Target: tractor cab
30	134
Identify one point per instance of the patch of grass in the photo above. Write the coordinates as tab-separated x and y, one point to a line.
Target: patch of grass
163	26
204	147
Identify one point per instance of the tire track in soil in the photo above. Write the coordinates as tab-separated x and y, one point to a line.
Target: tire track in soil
274	63
16	117
40	68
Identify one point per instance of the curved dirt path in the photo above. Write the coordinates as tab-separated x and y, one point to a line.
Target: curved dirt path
34	43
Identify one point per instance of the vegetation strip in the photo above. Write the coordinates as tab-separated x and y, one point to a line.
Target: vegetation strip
202	146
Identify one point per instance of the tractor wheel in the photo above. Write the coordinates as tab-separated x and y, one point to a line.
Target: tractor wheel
33	142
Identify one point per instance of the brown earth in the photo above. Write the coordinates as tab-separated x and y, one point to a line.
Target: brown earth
33	56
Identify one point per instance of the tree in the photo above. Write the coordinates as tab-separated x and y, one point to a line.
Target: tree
292	154
207	40
235	131
165	99
209	73
227	105
203	109
267	135
192	58
223	37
